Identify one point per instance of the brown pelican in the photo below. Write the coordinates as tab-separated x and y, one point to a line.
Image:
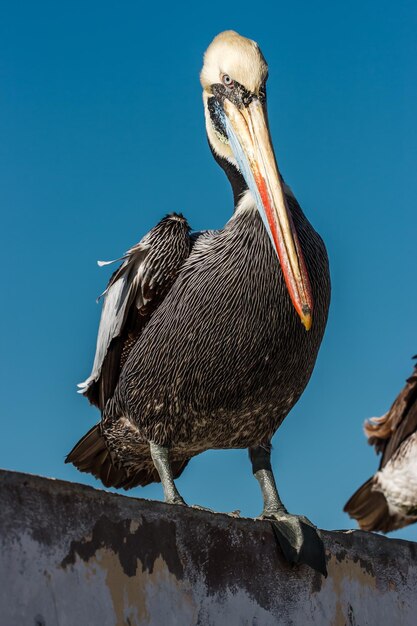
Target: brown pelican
207	340
388	500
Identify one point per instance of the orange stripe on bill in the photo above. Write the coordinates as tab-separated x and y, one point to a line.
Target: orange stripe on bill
251	144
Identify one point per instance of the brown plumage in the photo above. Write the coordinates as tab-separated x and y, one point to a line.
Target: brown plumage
133	292
231	336
388	500
91	455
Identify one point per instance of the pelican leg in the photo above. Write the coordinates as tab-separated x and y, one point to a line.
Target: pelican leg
298	538
160	457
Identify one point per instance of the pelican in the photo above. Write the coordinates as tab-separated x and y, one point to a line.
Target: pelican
207	340
388	500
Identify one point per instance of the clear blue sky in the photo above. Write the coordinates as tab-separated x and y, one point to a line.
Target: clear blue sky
102	132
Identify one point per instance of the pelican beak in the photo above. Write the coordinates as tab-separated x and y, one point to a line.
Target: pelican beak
250	141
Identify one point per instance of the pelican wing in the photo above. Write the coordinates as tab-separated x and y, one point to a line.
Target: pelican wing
388	432
134	291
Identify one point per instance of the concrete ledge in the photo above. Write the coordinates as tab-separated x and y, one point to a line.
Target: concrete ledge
76	556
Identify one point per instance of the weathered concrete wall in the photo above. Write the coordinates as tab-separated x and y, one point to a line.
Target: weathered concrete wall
76	556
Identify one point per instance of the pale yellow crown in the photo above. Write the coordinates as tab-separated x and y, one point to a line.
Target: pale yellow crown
239	57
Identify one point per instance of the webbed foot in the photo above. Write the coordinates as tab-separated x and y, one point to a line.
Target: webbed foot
202	508
298	538
234	514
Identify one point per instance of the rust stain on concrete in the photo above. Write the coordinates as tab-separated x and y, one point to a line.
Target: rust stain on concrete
127	593
343	571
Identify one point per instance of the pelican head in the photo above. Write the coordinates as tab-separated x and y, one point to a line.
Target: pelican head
234	78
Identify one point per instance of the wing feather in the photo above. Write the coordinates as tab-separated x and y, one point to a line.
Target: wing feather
134	291
387	433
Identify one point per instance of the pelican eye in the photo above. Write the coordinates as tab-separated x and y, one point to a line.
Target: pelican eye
227	81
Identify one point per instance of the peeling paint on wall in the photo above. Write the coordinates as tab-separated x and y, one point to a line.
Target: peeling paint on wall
76	556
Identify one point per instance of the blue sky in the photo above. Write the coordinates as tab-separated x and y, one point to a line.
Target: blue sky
102	132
